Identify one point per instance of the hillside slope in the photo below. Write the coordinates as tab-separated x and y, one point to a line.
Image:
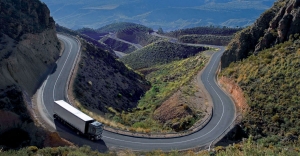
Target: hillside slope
103	83
131	32
119	26
159	53
118	45
270	82
29	48
87	38
94	34
274	26
269	78
204	35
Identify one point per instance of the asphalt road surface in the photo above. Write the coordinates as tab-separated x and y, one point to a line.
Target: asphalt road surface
54	88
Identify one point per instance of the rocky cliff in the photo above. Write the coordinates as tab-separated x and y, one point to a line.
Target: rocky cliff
28	51
276	25
28	43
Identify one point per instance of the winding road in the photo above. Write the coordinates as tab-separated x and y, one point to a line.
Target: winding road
54	88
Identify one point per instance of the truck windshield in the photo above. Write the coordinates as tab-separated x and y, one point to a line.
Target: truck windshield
98	130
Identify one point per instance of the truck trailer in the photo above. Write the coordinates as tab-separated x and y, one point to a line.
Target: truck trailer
77	120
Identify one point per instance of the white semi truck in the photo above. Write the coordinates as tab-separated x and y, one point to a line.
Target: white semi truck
77	120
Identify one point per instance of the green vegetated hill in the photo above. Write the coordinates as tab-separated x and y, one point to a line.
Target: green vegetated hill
116	27
166	80
248	147
271	86
211	30
159	53
118	45
269	78
136	35
131	32
94	34
29	49
103	83
205	39
204	35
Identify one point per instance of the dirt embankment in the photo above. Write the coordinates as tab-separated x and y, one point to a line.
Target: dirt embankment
236	94
190	102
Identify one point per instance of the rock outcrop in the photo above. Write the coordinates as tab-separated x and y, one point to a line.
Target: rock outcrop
28	43
29	48
276	25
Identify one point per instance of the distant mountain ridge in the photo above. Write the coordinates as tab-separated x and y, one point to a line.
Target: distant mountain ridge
168	14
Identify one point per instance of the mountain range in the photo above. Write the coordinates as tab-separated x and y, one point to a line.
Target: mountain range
167	14
260	69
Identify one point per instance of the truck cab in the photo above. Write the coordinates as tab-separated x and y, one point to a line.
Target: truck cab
95	130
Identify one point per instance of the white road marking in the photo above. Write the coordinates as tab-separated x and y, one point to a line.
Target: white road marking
179	142
73	66
62	67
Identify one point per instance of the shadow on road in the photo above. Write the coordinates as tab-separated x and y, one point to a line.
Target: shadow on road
79	140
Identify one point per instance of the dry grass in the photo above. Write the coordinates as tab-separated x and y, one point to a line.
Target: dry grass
100	118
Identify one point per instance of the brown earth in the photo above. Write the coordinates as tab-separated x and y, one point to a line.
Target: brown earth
236	93
191	100
188	102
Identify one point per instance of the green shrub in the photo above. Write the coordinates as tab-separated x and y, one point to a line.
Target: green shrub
270	82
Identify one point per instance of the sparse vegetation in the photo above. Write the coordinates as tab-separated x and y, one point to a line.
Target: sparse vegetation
137	37
246	148
210	30
159	53
87	38
166	79
94	34
132	32
104	85
118	45
205	39
48	151
270	82
115	27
